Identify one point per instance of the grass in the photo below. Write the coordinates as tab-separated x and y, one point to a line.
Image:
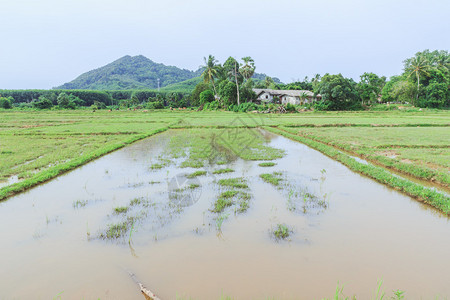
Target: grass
79	203
422	152
281	232
223	171
431	197
196	174
121	210
267	164
238	183
221	204
225	200
273	178
116	231
37	146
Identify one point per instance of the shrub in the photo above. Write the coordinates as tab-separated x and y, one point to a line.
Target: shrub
5	103
42	103
206	97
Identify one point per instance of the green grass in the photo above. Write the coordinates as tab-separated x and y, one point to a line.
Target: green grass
422	152
281	231
239	183
196	174
222	171
79	203
37	146
115	231
267	164
431	197
121	210
273	178
221	204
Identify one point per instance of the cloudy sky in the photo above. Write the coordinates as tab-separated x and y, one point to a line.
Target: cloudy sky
45	43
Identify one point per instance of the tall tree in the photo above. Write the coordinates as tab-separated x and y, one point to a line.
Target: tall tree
419	66
210	70
248	68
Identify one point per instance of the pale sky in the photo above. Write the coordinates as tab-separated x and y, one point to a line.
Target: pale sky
45	43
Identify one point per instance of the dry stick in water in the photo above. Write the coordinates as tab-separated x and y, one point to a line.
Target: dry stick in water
149	295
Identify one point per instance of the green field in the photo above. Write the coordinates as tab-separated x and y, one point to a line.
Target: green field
37	146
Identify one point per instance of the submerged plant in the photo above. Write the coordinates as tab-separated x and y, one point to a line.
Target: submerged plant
222	171
267	164
219	221
120	209
196	174
239	183
273	178
282	231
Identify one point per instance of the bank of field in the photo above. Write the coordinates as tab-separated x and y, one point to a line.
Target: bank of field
422	152
37	146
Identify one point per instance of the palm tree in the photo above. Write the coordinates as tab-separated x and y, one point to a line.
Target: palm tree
248	69
418	66
210	70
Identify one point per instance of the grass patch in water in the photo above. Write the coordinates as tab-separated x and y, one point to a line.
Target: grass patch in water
157	166
267	164
79	203
221	204
273	178
120	210
222	171
281	232
115	231
196	174
239	183
193	186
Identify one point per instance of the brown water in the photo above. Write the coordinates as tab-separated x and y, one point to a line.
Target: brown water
355	233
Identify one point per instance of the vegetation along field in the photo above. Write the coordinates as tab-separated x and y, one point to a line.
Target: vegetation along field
225	187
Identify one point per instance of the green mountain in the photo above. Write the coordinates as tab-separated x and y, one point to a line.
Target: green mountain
130	72
139	73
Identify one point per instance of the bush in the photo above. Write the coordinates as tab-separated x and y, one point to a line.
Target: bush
5	103
206	97
154	105
42	103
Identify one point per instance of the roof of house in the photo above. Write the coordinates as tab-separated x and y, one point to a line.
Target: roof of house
294	93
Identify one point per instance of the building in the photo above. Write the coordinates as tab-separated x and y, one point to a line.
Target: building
295	97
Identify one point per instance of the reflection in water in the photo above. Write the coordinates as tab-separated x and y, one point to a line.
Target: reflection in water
346	228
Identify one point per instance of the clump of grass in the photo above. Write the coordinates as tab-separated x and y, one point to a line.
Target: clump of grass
156	166
79	203
220	220
238	183
243	202
196	173
221	162
120	209
282	231
115	231
193	186
136	201
228	194
273	178
221	204
222	171
267	164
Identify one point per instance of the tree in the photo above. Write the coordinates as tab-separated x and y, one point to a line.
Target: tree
403	91
418	66
210	70
370	87
268	82
206	96
5	103
337	92
248	68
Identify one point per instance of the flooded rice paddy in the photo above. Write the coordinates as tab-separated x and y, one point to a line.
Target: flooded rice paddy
204	222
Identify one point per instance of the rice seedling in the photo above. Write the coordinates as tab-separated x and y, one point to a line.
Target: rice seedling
221	204
273	178
219	221
222	171
267	164
120	210
196	174
281	232
79	203
239	183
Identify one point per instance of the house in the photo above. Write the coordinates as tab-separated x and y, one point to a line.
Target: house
296	97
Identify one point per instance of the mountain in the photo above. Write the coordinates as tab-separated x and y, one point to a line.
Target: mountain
139	72
130	72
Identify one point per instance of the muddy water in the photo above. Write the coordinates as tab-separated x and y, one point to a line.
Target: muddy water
355	232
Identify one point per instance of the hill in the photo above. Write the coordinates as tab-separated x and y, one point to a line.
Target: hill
130	72
139	72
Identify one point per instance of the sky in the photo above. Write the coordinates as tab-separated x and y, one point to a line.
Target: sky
45	43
